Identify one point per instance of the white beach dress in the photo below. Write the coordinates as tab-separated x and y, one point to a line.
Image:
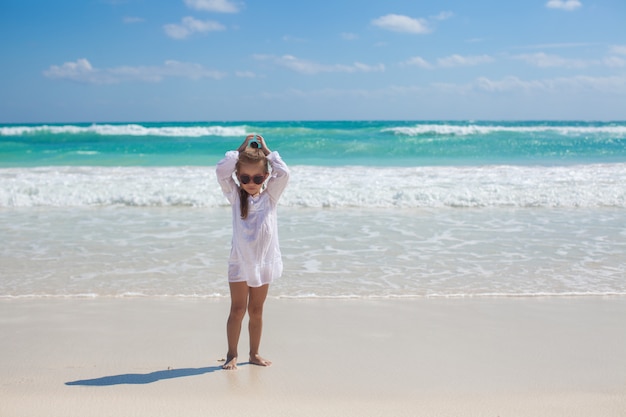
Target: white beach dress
255	254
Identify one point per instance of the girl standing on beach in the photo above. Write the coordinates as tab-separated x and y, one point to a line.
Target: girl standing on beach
255	258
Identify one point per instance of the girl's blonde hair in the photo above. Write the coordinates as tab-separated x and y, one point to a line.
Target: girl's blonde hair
250	156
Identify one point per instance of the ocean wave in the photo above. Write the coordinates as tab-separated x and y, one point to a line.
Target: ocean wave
473	129
125	130
599	185
312	129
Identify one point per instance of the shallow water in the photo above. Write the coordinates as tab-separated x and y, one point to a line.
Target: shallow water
182	252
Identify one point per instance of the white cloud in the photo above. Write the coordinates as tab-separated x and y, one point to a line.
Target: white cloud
568	5
418	61
189	26
610	84
464	61
618	49
561	85
449	61
219	6
614	85
400	23
507	84
614	62
360	67
310	68
556	45
347	36
544	60
83	72
443	16
80	71
245	74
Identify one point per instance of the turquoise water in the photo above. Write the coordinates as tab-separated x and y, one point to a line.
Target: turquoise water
370	143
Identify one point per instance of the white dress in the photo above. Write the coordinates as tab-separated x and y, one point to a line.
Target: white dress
255	254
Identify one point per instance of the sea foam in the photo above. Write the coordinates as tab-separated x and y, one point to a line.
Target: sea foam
594	185
474	129
199	129
126	130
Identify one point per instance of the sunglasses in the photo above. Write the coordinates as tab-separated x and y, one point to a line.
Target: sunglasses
257	179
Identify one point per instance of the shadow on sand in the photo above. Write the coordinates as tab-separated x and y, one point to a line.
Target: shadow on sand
144	378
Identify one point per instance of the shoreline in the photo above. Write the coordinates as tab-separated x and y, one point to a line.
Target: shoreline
444	357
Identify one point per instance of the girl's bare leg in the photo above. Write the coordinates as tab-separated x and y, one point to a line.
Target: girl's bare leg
256	301
238	303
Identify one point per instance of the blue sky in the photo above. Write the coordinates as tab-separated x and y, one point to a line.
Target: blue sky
222	60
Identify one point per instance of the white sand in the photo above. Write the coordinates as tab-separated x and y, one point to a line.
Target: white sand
477	357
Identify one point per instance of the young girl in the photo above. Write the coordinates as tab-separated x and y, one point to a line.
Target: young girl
255	258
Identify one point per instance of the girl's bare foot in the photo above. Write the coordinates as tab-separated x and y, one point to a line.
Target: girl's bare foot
231	363
258	360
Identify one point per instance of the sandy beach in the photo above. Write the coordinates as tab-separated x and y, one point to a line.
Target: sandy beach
427	357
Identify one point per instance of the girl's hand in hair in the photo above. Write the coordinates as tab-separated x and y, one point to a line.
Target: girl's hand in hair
245	143
264	147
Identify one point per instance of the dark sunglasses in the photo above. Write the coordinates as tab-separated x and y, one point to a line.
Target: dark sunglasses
257	179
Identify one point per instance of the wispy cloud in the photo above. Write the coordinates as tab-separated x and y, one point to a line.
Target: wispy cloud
418	61
189	26
450	61
132	19
556	45
310	67
506	85
568	5
83	72
347	36
246	74
290	38
218	6
509	83
614	62
464	61
516	85
618	49
544	60
401	23
443	16
561	84
406	24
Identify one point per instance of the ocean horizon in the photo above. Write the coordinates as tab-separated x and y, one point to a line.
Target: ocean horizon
373	208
